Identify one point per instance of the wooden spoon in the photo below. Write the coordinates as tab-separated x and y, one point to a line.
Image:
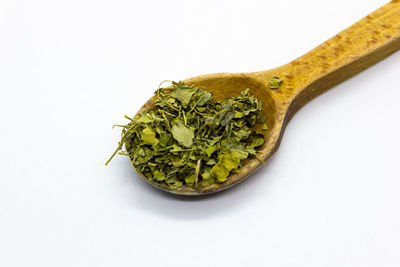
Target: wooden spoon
368	41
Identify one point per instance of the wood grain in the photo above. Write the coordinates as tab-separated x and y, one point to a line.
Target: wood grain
365	43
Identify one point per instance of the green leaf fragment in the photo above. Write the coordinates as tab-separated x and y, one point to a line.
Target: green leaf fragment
144	118
183	93
207	182
238	115
148	137
211	162
176	149
204	98
210	150
206	175
174	183
242	134
257	141
227	118
143	155
226	163
183	134
159	176
220	173
240	153
274	82
165	138
262	119
189	180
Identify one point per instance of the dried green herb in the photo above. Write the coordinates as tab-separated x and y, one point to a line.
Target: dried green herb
190	139
274	82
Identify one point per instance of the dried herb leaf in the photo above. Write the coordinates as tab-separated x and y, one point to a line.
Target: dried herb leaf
183	93
226	163
274	82
257	141
165	138
183	134
159	176
210	150
148	137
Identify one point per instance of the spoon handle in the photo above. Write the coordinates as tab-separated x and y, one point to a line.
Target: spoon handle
363	44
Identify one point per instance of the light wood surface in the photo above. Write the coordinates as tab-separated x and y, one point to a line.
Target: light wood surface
368	41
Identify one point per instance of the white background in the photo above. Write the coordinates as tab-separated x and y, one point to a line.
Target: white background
70	69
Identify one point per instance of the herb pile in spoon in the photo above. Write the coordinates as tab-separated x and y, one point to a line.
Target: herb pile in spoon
190	139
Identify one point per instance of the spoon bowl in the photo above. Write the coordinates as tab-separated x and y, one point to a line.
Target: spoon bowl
223	86
360	46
